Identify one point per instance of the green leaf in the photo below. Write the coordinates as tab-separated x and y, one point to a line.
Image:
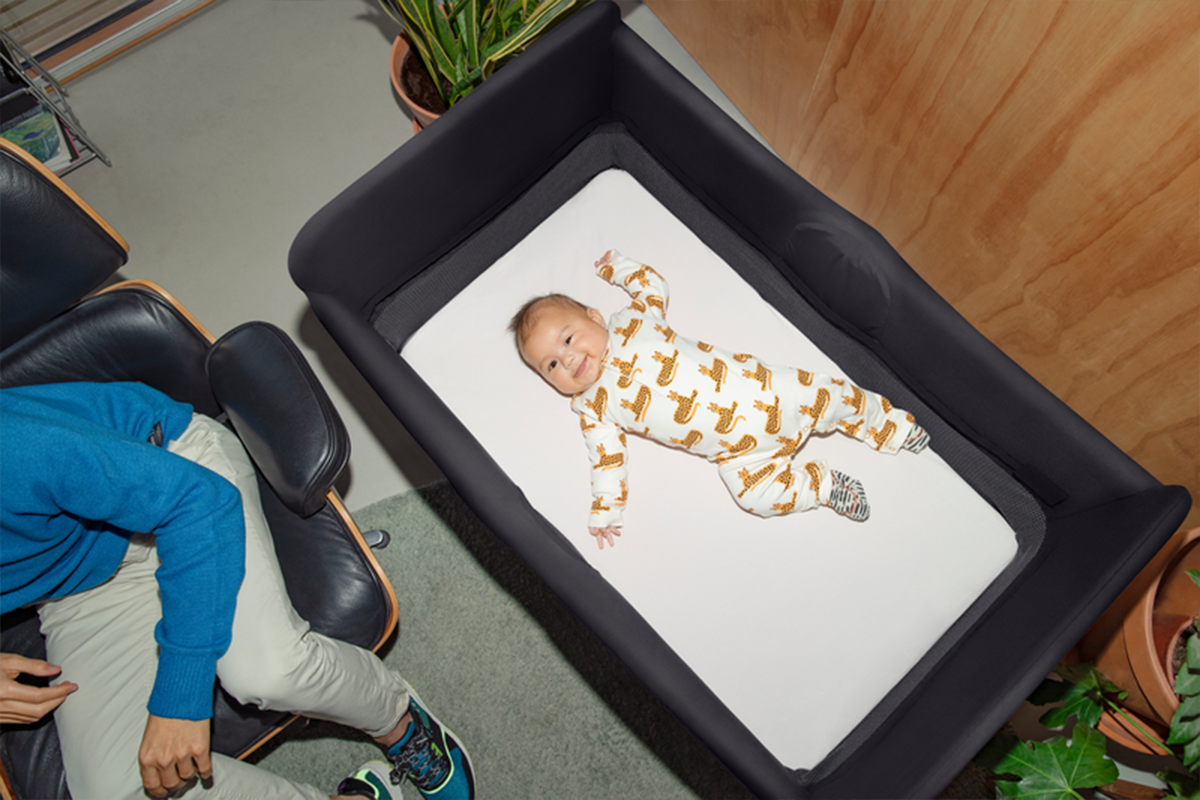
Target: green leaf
1081	692
422	21
1180	786
464	43
1191	755
546	14
467	16
1185	724
1052	770
1189	708
1194	574
1193	652
1187	682
393	10
443	41
1183	730
996	750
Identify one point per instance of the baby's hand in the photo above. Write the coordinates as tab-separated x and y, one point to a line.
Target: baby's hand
605	533
605	259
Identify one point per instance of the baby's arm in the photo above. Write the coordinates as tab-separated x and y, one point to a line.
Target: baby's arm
607	455
648	289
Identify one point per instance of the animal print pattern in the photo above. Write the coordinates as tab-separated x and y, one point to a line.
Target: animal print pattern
746	415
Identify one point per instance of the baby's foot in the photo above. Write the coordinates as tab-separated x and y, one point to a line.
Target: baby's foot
918	439
848	497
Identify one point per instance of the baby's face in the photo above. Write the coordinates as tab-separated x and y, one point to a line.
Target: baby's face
566	347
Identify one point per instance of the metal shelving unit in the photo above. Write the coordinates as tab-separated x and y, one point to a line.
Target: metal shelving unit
25	76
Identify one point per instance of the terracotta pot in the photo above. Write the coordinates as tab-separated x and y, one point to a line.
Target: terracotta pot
401	53
1133	641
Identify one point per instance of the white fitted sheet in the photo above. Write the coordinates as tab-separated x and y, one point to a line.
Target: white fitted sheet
800	624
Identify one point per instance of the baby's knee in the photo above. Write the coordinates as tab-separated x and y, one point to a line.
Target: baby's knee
751	485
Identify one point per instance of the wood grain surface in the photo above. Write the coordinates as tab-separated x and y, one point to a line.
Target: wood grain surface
1037	162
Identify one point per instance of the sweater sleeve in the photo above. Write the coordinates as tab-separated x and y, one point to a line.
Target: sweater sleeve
201	541
79	483
647	288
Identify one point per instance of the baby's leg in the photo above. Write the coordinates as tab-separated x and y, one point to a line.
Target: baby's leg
838	405
769	486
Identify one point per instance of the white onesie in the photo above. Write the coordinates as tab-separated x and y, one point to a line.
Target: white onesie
748	417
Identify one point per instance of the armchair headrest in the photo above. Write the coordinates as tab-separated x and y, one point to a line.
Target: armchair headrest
53	248
280	412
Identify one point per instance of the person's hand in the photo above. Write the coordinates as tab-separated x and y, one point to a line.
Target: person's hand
22	704
605	259
173	752
605	533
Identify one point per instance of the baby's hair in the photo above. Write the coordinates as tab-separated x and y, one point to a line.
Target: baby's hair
523	321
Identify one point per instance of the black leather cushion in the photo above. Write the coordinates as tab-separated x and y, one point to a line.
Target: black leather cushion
255	370
329	578
35	747
127	334
43	232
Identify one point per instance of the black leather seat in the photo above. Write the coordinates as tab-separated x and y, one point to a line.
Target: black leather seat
53	250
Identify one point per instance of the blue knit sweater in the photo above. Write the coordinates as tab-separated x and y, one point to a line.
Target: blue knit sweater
77	475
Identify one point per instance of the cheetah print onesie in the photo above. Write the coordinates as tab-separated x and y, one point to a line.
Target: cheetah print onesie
749	417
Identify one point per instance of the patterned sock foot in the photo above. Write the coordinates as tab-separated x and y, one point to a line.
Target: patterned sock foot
918	439
848	497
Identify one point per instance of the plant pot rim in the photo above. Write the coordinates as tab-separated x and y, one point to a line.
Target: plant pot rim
400	53
1153	676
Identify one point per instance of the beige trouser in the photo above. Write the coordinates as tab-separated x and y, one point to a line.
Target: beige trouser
103	639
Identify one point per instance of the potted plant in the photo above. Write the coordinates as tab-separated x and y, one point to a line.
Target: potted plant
460	45
1061	766
1137	644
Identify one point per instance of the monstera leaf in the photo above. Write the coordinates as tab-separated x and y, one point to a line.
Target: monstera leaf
1054	769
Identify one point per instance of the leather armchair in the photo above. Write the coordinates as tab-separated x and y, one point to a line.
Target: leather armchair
54	250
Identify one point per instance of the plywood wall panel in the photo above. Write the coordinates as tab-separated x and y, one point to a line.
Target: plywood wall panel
1037	162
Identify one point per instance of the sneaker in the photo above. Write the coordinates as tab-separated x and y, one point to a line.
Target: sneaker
373	780
847	497
918	439
431	757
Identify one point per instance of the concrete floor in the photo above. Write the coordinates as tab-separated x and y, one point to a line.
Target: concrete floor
226	133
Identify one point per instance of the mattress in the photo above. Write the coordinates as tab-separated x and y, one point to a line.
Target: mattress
802	596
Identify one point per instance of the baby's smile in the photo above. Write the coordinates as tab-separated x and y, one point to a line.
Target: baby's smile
566	346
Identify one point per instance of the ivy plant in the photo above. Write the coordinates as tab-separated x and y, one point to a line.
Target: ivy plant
1055	769
1185	725
1058	768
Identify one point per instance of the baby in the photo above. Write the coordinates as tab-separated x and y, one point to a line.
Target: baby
637	375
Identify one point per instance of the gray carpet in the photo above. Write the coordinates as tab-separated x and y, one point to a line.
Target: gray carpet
545	710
